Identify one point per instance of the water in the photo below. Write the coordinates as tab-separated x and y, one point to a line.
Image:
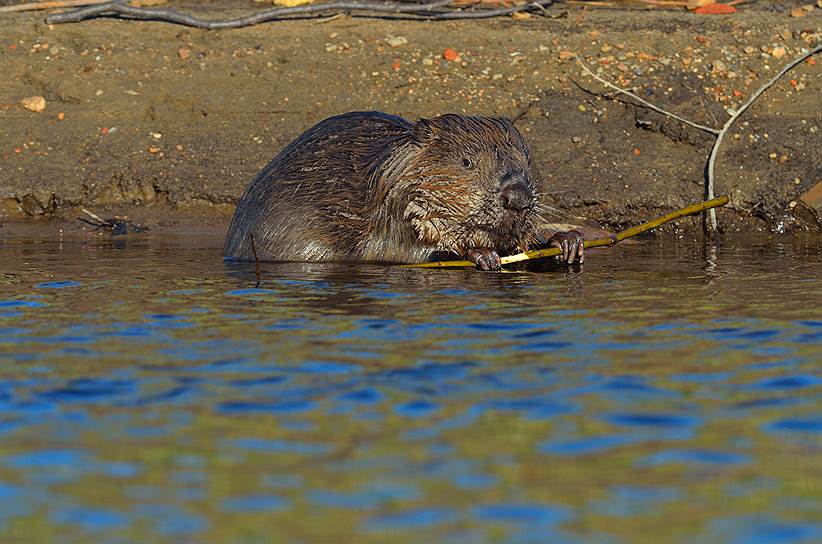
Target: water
150	393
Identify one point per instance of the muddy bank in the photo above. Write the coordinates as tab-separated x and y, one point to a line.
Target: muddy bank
168	124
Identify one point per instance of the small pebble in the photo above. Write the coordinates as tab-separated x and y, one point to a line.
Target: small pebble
396	41
34	103
576	139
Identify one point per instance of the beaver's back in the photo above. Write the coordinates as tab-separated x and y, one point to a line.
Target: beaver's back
310	201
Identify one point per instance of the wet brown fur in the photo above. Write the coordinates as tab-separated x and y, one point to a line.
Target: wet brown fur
369	186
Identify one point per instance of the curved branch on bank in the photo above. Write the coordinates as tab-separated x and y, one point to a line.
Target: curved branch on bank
710	223
426	11
709	183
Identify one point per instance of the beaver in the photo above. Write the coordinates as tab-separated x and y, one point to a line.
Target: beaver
375	187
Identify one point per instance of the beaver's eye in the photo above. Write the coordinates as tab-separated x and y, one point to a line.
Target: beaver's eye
467	163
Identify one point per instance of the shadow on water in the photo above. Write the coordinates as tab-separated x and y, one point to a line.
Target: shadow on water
151	393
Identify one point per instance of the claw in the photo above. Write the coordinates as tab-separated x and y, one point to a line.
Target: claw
484	258
571	244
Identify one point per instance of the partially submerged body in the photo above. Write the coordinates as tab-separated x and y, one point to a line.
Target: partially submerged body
374	187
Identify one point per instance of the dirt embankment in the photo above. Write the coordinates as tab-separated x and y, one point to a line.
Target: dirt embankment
169	124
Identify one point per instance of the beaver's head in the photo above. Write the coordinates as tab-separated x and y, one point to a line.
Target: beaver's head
472	184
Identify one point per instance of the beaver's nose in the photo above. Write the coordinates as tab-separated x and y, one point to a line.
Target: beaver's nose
514	193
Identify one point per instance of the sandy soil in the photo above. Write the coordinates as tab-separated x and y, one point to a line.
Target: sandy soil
168	124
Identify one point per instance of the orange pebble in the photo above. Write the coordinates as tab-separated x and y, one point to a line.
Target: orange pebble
794	83
104	130
811	61
61	116
737	93
637	151
715	9
396	66
450	55
18	150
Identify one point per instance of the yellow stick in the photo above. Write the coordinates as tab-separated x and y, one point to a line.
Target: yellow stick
597	242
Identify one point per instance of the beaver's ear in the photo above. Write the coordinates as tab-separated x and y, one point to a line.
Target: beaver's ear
505	121
424	132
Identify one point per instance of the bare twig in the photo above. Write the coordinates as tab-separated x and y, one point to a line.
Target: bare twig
710	219
426	10
598	242
49	5
643	101
256	260
94	216
709	184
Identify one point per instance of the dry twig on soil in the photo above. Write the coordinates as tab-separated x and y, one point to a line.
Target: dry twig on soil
428	11
709	182
710	224
36	6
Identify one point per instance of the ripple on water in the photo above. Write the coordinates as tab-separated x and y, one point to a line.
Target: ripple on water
89	519
254	503
628	501
11	304
58	284
763	529
583	446
282	446
415	518
694	457
804	425
249	407
789	382
417	408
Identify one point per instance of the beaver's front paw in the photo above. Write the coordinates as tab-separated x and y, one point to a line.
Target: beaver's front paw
484	258
571	244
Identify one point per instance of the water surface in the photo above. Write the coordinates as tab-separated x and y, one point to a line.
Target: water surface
150	392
